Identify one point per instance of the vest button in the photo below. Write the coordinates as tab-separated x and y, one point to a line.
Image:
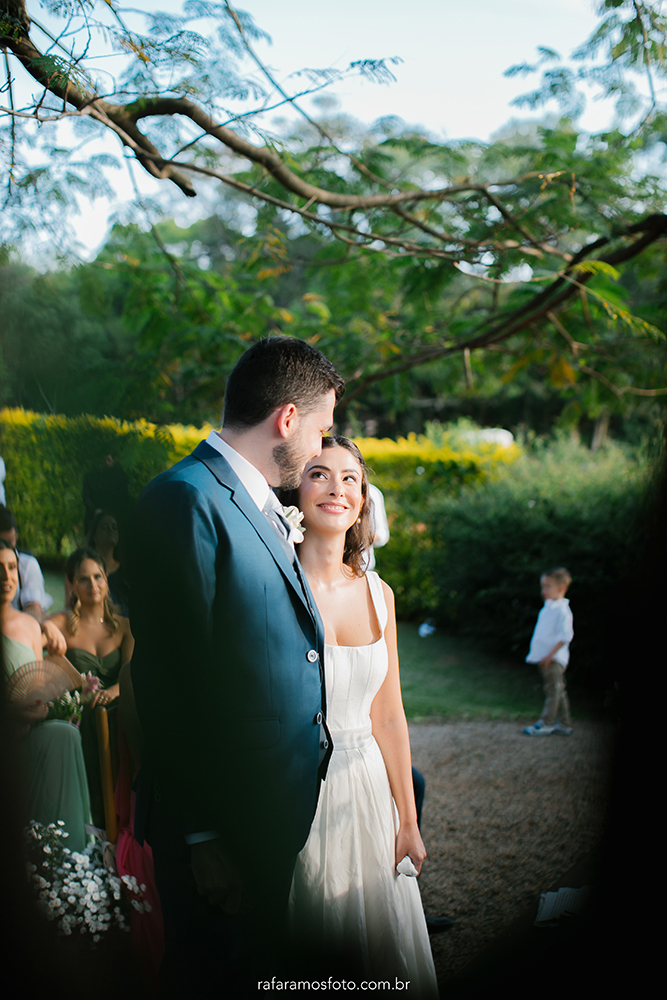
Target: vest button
312	655
325	744
318	719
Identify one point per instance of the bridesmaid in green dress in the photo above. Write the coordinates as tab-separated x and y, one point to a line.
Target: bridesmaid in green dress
51	752
98	642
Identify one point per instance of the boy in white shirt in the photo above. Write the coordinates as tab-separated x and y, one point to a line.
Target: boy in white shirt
550	649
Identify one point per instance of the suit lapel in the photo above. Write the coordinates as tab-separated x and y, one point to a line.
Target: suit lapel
225	475
310	601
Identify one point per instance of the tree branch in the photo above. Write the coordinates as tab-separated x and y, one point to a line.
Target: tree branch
123	118
654	227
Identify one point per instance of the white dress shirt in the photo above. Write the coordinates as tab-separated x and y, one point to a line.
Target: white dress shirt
31	585
554	624
252	478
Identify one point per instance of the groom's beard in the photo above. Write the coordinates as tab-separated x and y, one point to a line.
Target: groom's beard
291	462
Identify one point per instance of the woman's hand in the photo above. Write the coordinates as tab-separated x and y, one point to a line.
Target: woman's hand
105	696
34	713
26	716
217	877
54	639
409	841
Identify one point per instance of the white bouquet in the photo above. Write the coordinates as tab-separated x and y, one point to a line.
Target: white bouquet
76	890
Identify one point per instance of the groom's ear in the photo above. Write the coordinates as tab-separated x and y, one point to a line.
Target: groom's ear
286	419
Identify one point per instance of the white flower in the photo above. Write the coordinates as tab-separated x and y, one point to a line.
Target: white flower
294	517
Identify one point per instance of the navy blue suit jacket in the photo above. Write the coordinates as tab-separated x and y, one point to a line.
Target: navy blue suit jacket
227	669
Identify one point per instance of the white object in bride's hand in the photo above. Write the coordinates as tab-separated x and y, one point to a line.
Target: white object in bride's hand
406	867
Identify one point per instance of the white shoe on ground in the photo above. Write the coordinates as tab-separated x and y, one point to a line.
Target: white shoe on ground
539	729
560	729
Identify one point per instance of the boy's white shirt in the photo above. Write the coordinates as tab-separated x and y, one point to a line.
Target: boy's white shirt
554	624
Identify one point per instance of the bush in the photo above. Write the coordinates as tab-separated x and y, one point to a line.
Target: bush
411	472
47	458
560	505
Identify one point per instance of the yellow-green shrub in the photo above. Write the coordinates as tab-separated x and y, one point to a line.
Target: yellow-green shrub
47	458
411	473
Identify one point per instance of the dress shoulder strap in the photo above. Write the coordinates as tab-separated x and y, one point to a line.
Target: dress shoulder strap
377	596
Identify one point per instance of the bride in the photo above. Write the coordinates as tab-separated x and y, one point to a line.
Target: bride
347	899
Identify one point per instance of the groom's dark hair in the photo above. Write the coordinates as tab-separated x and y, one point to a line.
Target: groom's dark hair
274	372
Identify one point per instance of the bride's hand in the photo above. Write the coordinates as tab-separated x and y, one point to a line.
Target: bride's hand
409	841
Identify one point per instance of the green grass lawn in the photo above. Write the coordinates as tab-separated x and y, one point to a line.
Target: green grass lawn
446	677
55	586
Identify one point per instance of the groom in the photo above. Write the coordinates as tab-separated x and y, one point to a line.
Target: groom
227	670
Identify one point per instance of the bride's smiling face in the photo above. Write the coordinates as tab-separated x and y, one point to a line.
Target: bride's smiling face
330	494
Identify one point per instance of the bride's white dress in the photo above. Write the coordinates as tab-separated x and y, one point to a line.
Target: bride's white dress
346	895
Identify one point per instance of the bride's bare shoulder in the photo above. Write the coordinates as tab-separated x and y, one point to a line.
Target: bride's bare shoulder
388	593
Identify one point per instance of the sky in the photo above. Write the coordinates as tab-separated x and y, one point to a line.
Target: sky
450	80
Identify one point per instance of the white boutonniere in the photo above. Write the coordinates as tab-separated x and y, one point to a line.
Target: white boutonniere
294	517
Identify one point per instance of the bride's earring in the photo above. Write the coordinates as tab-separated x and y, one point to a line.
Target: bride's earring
358	520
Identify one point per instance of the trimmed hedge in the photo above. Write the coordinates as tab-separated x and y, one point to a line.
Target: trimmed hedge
411	472
48	456
472	526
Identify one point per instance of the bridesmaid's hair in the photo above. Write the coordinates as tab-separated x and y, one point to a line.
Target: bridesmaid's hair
359	537
94	525
71	569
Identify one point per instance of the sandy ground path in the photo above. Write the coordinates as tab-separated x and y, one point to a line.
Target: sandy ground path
505	816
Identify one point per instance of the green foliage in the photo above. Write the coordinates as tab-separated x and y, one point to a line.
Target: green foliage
627	51
411	472
476	558
143	335
57	355
47	458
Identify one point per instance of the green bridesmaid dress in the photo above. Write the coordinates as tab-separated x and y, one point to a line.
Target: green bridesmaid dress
107	668
53	765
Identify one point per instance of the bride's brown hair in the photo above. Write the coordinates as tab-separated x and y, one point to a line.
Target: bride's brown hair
359	537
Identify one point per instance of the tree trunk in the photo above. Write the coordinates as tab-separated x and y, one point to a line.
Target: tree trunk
600	430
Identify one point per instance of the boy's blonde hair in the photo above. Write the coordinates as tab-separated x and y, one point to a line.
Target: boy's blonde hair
560	575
